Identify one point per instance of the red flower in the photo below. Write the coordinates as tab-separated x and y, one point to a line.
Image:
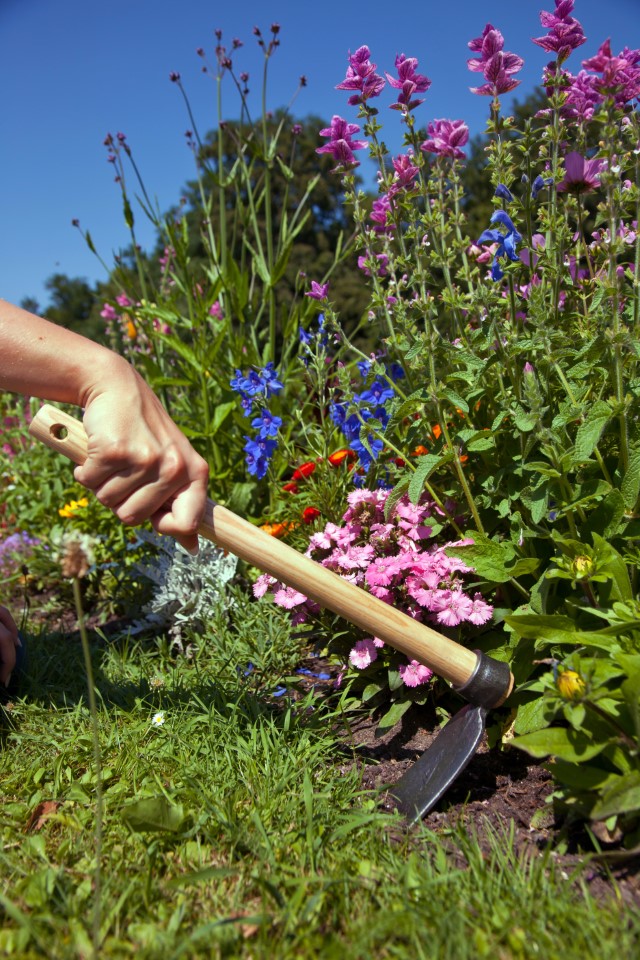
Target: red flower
304	470
309	514
339	456
290	487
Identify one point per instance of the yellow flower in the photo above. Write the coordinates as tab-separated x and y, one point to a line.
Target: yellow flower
132	333
570	685
70	509
583	567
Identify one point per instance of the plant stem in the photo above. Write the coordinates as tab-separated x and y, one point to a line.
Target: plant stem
93	709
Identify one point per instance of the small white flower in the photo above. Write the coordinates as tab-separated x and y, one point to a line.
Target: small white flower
157	720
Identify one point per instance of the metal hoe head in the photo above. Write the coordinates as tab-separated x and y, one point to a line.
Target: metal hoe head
418	791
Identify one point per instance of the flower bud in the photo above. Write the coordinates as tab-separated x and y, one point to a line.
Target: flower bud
570	685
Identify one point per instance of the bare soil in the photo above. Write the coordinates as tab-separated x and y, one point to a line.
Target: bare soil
500	790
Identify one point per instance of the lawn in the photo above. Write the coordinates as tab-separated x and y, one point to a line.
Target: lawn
235	823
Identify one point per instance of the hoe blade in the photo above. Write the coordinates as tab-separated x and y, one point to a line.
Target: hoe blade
433	773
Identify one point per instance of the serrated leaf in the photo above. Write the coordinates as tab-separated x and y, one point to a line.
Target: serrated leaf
424	468
497	421
454	398
587	437
396	494
488	558
525	422
630	486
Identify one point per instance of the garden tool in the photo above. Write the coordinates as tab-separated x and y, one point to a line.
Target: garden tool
481	680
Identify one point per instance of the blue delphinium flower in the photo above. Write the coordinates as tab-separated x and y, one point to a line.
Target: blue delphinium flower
507	242
270	380
504	193
539	184
378	392
258	454
256	387
267	424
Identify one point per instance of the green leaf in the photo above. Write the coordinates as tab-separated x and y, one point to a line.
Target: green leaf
371	690
488	558
608	516
220	414
281	263
574	746
587	437
392	716
454	398
630	486
615	565
396	494
524	421
154	814
425	467
580	776
530	717
622	797
558	629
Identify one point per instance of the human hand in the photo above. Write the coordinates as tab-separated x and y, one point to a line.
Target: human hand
9	640
140	465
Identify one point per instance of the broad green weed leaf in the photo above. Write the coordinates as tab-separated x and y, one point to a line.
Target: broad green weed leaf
574	746
489	559
154	814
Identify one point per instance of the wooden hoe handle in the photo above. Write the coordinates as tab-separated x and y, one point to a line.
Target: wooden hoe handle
417	641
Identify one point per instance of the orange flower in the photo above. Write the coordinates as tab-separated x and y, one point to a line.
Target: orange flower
436	431
304	470
420	451
309	514
276	529
339	456
290	487
132	333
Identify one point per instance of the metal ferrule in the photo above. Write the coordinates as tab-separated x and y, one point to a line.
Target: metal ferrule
489	684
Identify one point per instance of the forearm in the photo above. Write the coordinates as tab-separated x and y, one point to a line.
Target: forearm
28	345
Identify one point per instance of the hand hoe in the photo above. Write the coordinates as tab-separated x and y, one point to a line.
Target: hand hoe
481	680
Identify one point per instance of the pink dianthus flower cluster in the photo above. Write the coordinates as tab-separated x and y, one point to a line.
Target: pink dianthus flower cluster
395	559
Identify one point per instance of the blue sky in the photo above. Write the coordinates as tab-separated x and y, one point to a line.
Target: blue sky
73	70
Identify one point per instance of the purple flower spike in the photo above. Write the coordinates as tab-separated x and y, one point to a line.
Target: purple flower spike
565	32
340	145
409	82
361	78
446	137
497	65
620	75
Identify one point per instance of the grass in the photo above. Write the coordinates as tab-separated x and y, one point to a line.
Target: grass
238	827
